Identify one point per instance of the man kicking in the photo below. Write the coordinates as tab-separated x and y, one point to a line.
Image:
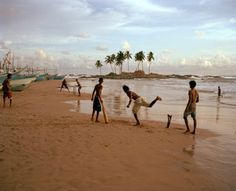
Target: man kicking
138	102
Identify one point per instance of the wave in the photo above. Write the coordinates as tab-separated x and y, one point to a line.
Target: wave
230	104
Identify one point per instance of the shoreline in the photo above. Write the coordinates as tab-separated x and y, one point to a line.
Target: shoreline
48	147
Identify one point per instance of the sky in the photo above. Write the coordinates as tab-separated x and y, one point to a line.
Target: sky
185	36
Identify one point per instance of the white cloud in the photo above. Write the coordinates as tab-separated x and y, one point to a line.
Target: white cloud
126	46
41	54
183	61
199	34
232	20
102	48
148	6
83	35
5	44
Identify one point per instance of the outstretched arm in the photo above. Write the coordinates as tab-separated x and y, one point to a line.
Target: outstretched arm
130	99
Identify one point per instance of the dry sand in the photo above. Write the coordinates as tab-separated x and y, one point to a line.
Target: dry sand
45	147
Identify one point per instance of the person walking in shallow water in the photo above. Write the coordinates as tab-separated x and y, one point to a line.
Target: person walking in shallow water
190	109
6	88
97	98
138	102
79	86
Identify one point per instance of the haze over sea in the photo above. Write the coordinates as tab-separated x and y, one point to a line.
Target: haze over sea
215	154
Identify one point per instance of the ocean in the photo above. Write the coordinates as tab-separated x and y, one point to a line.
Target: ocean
215	154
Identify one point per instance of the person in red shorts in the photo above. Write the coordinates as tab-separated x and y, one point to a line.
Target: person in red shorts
6	88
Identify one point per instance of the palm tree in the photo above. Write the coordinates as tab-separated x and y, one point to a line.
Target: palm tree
139	57
99	65
150	57
108	60
113	58
120	57
128	56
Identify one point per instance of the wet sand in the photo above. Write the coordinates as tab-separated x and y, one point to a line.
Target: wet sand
43	146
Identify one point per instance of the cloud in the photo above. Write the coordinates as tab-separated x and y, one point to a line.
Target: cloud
83	35
126	46
199	34
41	54
232	20
5	44
101	48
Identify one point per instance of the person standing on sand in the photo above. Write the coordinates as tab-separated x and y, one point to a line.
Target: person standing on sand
79	86
64	84
138	102
6	88
96	98
191	106
219	91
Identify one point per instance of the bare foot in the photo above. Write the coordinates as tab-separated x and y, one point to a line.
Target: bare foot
97	121
137	124
158	98
193	132
187	131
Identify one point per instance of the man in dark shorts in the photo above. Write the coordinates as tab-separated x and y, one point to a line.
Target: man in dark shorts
97	99
6	88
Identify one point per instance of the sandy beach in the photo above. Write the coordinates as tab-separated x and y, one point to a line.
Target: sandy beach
44	146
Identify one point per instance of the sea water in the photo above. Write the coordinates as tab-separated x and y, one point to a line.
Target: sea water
216	154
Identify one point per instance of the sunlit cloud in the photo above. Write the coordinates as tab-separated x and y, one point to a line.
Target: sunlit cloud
126	46
54	32
101	48
199	34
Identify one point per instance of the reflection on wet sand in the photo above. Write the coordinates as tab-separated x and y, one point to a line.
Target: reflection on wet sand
217	108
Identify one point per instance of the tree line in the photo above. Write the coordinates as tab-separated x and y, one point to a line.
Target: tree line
117	60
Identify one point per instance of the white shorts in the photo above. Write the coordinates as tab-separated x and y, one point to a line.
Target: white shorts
138	103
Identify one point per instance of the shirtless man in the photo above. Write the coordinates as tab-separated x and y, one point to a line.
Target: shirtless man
79	86
191	106
138	102
96	98
64	85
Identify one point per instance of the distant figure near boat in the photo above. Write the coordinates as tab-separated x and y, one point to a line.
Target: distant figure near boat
64	85
6	88
79	86
219	91
191	106
138	102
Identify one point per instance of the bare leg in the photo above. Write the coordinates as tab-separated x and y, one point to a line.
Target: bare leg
97	116
154	101
4	102
186	123
92	115
169	120
136	118
10	102
194	126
